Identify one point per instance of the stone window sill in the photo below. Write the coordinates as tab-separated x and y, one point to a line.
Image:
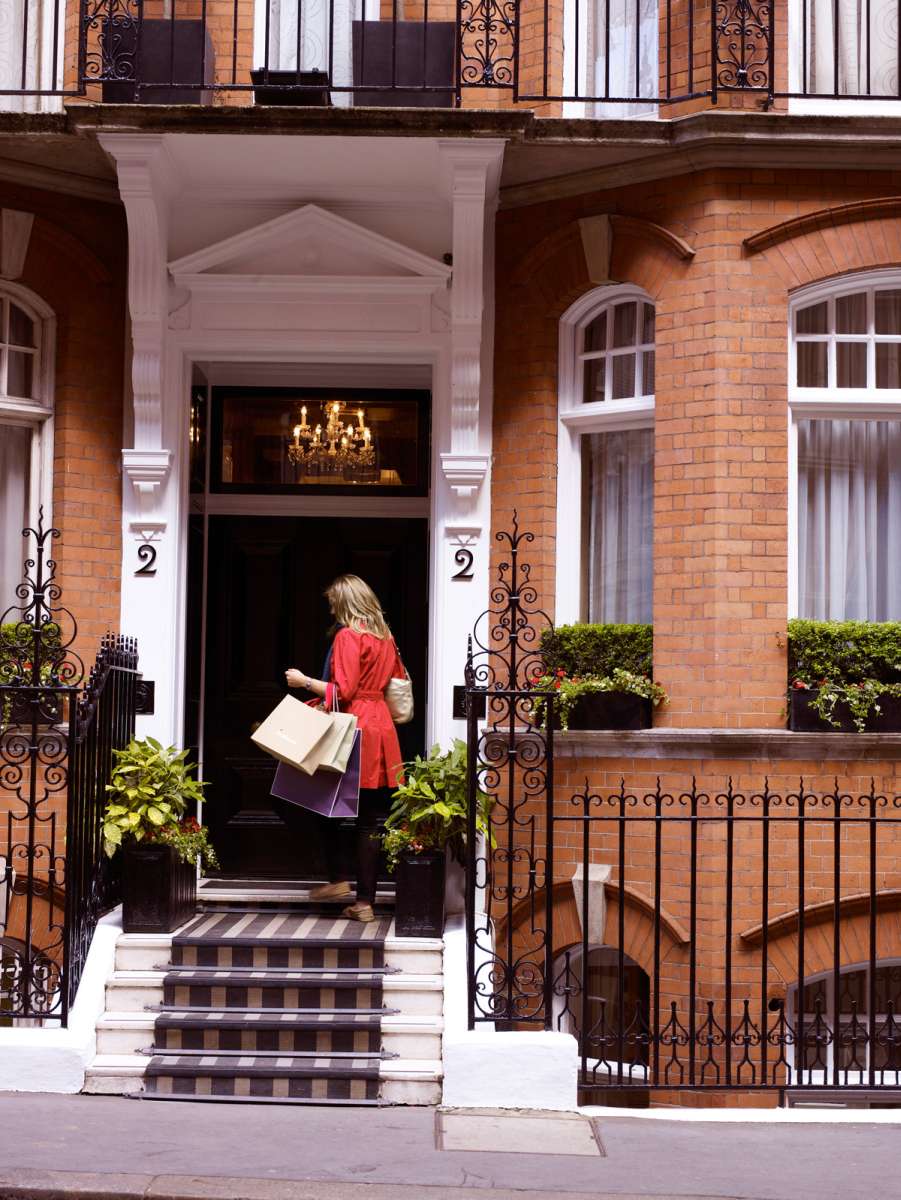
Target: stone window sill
727	744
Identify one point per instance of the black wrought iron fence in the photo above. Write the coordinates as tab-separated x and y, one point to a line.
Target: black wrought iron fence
600	57
690	939
57	735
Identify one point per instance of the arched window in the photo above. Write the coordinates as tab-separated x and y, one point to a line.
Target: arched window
840	1041
26	408
587	1005
845	398
606	458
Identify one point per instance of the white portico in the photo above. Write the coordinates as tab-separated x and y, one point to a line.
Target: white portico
297	260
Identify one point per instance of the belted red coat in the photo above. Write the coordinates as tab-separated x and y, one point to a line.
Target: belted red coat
361	667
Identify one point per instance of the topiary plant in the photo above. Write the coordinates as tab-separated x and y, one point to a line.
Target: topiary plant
584	649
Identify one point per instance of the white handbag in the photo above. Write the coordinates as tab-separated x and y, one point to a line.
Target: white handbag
399	698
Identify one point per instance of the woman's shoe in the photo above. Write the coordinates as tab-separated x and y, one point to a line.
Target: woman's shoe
332	891
359	912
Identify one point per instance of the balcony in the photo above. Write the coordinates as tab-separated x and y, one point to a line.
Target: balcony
571	58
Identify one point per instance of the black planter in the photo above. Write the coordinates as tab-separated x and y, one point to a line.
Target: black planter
803	717
305	89
161	53
419	904
611	710
159	891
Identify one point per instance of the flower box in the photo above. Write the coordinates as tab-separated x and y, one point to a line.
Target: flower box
419	903
611	710
159	891
803	717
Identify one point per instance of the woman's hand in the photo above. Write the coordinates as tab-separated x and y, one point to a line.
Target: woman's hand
296	679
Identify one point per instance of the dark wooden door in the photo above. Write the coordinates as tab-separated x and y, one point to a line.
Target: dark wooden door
266	612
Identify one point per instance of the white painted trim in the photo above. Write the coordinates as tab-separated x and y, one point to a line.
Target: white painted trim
53	1059
314	222
574	419
310	285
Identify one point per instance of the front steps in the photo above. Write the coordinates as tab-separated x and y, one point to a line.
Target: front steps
273	1006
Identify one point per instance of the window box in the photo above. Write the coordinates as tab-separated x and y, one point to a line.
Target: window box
611	710
419	905
159	891
803	718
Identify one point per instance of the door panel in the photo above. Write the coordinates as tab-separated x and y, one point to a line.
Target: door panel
266	612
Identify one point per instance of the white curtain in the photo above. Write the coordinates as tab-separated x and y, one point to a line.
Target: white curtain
15	457
325	38
633	37
867	47
849	520
30	22
619	476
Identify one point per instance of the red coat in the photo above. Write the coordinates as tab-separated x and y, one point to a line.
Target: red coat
361	667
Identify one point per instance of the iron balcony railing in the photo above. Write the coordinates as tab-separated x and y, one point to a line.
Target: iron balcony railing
592	58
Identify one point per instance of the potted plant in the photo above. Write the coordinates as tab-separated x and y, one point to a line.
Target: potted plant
601	677
427	822
146	816
844	676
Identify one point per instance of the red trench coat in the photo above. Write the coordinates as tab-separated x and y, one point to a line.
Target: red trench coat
361	667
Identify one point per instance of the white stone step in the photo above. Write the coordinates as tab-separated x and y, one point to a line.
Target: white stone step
414	995
134	991
142	951
116	1074
127	1033
419	956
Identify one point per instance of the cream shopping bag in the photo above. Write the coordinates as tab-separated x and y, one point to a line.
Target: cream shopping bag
334	750
293	733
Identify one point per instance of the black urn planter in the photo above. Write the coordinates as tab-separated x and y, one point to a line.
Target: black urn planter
803	717
611	710
159	891
419	900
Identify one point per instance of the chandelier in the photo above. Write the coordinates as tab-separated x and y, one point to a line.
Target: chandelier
337	450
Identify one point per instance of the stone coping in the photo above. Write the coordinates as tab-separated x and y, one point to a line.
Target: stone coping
729	744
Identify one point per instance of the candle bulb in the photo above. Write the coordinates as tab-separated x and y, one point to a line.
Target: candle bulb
303	414
366	436
360	417
296	435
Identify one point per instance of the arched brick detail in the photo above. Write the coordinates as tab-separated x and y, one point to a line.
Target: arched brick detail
813	253
854	947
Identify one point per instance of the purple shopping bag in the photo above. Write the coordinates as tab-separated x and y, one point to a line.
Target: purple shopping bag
323	792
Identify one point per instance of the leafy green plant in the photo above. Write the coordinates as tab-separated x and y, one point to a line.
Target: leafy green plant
429	808
570	690
845	663
149	794
583	649
16	647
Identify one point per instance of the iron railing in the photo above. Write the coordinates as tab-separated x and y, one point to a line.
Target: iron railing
57	737
588	57
714	940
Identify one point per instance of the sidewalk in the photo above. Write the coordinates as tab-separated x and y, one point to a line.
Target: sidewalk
113	1148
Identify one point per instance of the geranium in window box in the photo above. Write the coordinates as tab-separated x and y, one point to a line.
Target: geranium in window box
845	676
621	700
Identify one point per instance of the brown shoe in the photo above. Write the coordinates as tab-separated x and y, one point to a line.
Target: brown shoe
331	891
359	912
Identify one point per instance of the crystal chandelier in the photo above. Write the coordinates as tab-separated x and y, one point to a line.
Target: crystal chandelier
339	451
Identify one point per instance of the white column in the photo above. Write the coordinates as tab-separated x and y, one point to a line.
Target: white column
150	601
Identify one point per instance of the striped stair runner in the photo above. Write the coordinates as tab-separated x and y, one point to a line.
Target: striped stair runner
271	1006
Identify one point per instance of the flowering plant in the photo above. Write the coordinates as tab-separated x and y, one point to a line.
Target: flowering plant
852	664
190	840
429	809
861	699
569	689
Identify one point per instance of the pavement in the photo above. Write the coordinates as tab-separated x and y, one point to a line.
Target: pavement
112	1148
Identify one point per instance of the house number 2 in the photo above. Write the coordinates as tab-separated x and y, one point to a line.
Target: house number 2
463	558
147	555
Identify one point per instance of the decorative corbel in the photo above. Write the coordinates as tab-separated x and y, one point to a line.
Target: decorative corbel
147	470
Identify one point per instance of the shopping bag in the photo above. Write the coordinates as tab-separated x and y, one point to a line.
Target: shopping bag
325	792
333	752
292	732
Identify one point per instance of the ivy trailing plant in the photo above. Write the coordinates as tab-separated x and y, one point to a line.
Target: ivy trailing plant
149	795
583	660
853	663
429	809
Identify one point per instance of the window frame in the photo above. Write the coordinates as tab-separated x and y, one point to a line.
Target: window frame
831	403
575	418
37	412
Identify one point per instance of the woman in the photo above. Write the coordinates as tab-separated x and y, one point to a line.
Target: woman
361	662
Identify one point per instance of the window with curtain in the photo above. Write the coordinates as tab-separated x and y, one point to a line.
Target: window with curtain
852	47
611	420
23	416
622	39
846	409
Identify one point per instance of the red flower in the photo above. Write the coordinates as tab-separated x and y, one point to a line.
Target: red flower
799	684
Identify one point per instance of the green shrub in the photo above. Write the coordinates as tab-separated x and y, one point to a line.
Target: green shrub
854	663
16	644
598	649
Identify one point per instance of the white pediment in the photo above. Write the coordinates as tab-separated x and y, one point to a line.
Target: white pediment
309	242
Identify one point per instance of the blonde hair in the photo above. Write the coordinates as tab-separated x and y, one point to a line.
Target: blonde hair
356	605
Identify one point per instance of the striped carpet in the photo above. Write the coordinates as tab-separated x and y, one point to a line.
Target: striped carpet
271	1006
